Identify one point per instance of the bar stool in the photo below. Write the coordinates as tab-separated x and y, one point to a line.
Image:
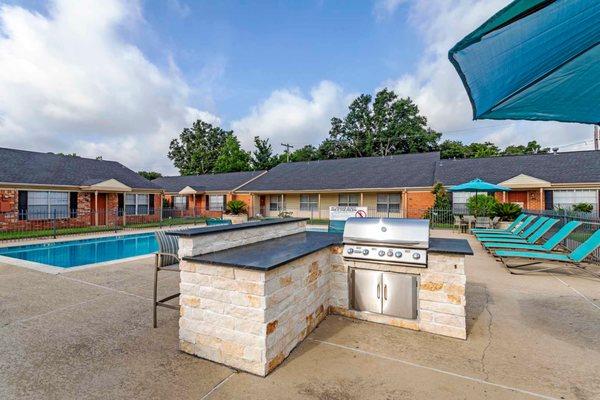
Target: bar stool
166	260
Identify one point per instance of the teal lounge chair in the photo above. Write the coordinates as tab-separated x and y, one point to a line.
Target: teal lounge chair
522	232
509	229
559	259
532	239
549	245
519	228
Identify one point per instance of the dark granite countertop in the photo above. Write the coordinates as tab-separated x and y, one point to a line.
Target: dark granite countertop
272	253
456	246
205	230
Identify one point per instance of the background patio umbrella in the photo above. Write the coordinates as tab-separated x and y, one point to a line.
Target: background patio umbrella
477	185
534	60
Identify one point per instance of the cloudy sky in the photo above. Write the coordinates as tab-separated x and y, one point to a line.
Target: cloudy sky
120	79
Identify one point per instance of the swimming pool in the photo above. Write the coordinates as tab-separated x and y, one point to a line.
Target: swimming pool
75	253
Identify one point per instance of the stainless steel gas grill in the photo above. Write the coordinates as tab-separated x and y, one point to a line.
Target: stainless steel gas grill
388	240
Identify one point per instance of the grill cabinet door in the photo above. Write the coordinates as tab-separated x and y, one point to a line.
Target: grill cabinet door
367	290
399	295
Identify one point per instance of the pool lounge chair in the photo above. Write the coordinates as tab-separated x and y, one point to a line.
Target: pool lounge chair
557	260
523	235
510	228
518	229
548	245
166	260
532	239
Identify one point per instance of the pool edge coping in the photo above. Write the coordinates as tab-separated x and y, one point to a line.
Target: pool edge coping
51	269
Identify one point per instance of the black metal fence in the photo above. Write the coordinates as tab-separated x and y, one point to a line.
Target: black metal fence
58	222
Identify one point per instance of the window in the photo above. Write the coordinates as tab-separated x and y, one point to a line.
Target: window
348	200
566	198
216	202
136	204
309	202
180	202
459	201
47	205
275	203
388	202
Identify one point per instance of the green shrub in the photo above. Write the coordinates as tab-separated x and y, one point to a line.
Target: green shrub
482	205
507	211
583	207
236	207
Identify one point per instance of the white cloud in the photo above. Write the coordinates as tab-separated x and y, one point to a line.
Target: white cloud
71	83
287	115
437	89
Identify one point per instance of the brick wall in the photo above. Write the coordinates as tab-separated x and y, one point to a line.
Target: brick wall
418	203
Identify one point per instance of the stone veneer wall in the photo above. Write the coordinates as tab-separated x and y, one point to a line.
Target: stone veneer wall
251	319
202	244
441	300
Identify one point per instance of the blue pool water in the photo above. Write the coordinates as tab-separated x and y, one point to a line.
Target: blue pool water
86	251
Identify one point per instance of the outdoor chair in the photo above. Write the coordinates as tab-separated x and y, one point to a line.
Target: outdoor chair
494	222
522	235
518	229
469	221
548	245
483	222
166	259
557	260
459	223
509	229
531	236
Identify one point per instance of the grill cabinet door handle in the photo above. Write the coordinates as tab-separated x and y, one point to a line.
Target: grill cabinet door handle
385	292
378	290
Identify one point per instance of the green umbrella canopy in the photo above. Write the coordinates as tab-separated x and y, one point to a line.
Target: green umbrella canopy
534	60
477	185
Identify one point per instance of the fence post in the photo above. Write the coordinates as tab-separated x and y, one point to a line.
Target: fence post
54	224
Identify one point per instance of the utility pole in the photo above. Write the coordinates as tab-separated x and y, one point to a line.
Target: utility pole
596	137
287	150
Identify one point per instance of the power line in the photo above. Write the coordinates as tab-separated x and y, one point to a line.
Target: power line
287	150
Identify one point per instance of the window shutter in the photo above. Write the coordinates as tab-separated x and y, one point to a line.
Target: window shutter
73	204
120	204
207	202
224	202
22	205
151	204
187	202
549	199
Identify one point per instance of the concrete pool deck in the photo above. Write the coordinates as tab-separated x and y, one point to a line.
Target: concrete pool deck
88	334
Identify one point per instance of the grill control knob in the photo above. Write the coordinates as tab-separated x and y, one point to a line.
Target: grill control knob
381	253
365	252
416	256
398	254
350	250
390	253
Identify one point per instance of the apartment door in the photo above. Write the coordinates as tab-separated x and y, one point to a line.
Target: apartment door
519	197
100	209
263	205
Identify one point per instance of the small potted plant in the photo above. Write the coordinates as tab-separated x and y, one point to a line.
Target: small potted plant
236	212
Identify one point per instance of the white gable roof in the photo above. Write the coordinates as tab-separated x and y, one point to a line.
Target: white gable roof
525	181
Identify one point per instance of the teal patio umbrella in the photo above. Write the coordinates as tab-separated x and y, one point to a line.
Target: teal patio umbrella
477	185
534	60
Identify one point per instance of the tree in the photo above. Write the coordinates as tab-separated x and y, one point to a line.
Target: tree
442	198
306	153
262	157
478	150
232	158
150	175
390	125
532	147
197	149
452	149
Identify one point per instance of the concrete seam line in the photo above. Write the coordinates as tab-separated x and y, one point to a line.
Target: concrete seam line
577	291
56	310
218	385
441	371
105	287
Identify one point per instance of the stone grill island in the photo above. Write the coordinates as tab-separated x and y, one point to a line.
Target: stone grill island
251	292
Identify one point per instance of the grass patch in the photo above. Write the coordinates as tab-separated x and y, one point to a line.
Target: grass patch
318	221
168	222
59	232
